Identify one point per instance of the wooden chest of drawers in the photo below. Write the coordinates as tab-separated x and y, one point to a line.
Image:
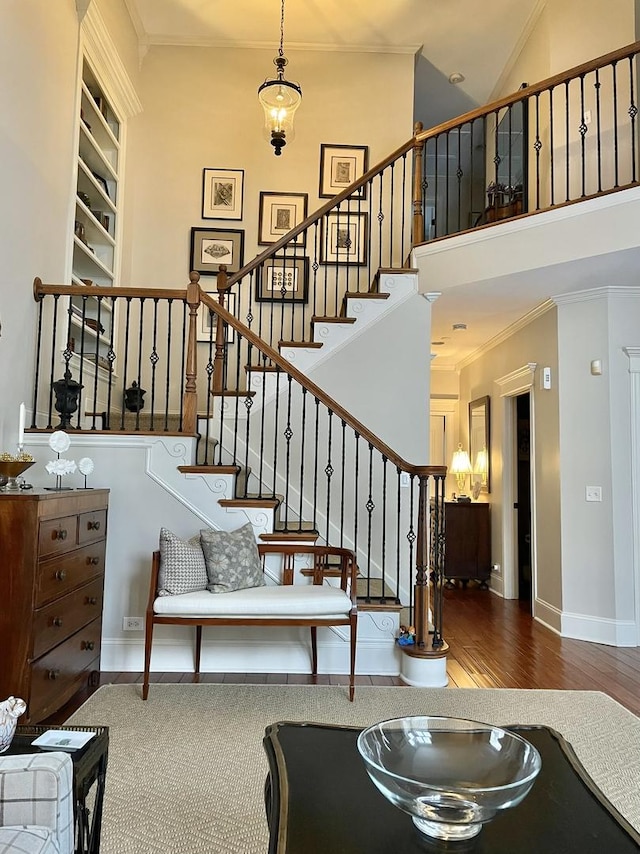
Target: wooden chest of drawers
467	541
52	553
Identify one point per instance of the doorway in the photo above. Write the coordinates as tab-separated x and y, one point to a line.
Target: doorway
522	414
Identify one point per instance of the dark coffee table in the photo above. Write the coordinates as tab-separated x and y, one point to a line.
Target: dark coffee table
89	768
319	799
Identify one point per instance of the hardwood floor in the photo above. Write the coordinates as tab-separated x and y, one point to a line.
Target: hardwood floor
493	644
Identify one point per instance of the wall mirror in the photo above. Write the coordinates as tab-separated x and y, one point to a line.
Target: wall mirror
480	445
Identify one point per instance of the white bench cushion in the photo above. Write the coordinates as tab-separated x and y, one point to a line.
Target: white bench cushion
27	840
279	601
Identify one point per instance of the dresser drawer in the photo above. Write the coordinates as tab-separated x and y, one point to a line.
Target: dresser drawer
92	526
60	673
56	536
62	618
60	575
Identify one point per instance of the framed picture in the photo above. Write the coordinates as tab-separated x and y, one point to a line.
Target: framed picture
222	193
340	166
211	247
103	183
279	213
206	319
343	238
283	280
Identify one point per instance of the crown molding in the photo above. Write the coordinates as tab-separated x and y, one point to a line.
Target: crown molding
169	40
507	332
598	294
102	52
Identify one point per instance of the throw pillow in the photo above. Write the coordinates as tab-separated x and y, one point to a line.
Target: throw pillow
232	559
182	566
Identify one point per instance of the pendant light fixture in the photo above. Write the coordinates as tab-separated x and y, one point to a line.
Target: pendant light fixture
280	98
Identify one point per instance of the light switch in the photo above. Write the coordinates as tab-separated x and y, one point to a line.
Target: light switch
593	493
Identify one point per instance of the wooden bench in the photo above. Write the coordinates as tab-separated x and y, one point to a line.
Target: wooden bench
305	597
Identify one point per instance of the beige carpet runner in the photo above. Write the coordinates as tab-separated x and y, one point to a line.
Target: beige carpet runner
186	769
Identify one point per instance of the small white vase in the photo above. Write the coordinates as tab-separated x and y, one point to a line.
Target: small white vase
10	711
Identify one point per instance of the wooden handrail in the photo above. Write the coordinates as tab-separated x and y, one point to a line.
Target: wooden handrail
528	91
317	392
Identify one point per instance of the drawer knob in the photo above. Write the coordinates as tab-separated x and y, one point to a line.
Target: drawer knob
53	674
91	600
60	534
61	574
88	644
93	526
93	561
57	621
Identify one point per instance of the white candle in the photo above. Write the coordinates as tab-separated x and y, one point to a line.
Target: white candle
21	426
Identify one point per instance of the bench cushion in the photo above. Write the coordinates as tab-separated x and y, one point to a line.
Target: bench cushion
286	601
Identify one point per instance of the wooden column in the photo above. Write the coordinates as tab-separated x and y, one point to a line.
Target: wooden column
190	397
418	201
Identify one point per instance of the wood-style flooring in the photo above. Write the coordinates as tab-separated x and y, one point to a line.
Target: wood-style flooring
493	643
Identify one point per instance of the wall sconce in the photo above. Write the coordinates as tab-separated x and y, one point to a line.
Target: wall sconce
460	467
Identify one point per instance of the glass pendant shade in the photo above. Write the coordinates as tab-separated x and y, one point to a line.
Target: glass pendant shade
280	99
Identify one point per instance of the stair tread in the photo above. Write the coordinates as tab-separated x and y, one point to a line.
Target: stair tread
318	319
365	295
228	393
293	536
300	526
312	345
202	468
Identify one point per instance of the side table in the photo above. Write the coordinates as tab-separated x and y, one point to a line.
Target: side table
89	768
319	799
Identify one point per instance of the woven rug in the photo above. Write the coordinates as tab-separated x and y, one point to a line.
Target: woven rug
187	769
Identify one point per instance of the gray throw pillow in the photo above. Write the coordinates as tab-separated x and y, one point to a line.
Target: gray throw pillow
182	566
232	559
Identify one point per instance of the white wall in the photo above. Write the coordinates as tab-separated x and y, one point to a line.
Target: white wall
38	49
595	443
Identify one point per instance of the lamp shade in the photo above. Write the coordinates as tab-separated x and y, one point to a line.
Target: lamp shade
280	99
460	466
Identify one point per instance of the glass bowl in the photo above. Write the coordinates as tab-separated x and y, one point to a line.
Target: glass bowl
450	775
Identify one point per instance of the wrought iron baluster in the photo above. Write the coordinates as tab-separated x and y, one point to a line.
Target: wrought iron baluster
167	384
52	369
459	176
614	69
538	147
288	435
315	465
633	113
183	359
329	470
551	148
597	87
154	358
342	482
567	139
248	402
383	539
303	438
391	209
275	430
36	379
582	129
370	507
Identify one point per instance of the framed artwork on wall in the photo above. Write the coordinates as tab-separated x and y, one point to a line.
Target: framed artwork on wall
343	238
222	193
283	280
340	166
211	247
279	213
206	320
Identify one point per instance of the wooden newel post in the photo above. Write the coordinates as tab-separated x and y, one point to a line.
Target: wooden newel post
421	589
217	380
418	201
190	397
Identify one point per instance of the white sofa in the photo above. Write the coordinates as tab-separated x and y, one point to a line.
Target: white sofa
36	804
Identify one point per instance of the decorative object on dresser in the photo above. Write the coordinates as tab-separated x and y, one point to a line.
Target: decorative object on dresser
467	542
53	567
10	711
59	442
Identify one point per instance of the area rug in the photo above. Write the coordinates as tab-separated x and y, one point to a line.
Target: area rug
186	768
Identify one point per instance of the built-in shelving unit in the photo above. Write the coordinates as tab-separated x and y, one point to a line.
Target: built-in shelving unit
95	238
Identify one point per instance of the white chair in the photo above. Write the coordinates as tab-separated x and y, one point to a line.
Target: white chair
36	804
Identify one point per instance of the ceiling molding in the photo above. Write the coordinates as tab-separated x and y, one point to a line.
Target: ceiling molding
515	382
507	332
102	52
598	294
168	40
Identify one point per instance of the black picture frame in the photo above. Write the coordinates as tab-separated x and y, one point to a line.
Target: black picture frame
344	237
340	166
211	243
283	280
222	193
278	214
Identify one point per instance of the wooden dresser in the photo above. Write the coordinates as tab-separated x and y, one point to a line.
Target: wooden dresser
52	554
467	541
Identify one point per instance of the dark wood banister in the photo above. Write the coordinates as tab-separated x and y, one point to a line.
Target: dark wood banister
339	411
534	89
194	296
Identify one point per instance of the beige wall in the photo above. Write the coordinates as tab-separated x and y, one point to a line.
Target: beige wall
536	342
201	110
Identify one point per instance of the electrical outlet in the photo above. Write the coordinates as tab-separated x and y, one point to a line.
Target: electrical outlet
405	478
496	568
133	624
593	493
